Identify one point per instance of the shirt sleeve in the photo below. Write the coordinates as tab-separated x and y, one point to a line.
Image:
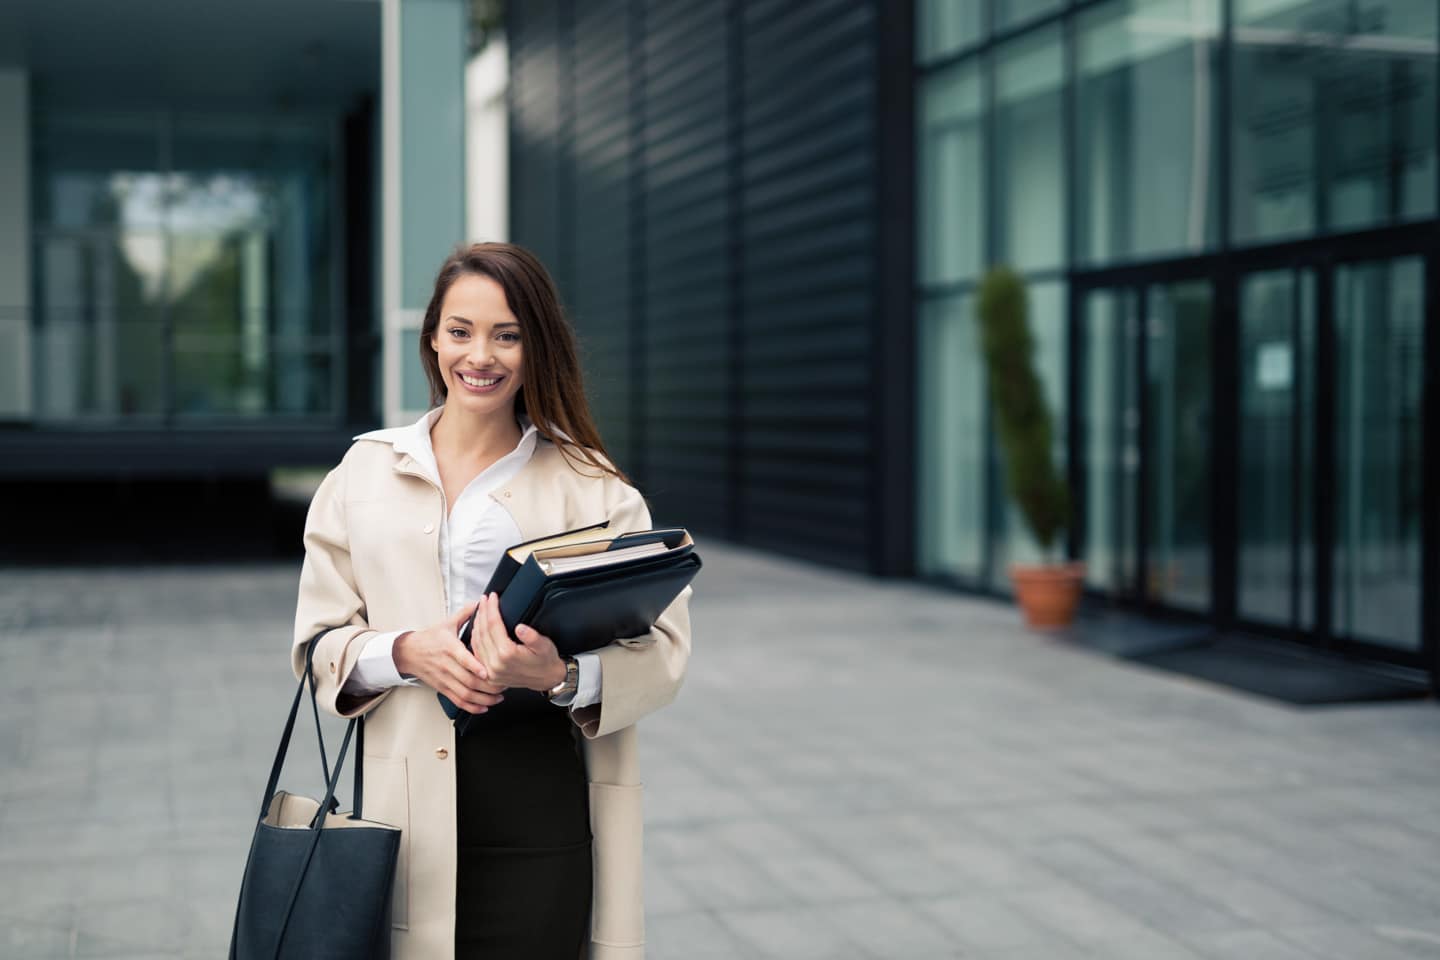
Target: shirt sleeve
375	668
587	690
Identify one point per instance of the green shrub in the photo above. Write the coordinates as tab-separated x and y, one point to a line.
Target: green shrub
1022	421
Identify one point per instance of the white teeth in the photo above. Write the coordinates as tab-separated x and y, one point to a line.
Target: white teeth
477	382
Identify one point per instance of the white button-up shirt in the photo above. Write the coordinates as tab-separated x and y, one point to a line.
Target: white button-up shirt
474	536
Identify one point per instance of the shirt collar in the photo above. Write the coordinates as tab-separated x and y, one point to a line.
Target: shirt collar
414	440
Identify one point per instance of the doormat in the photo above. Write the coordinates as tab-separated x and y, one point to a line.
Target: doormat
1283	672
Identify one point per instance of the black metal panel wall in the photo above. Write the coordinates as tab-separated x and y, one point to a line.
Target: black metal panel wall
537	132
599	296
808	248
706	181
684	213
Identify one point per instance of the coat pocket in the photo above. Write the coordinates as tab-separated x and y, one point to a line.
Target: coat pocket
617	825
387	800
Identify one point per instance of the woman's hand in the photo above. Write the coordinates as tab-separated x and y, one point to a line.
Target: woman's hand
532	663
437	657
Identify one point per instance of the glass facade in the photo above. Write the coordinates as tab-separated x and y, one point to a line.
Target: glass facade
183	266
1227	211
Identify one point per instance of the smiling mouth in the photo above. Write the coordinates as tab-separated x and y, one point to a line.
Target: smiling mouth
479	381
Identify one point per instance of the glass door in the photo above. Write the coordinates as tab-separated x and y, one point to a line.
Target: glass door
1377	510
1274	479
1146	423
1329	479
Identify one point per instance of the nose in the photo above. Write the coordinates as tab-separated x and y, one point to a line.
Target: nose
482	351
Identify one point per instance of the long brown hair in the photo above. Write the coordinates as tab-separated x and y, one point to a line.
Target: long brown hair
552	389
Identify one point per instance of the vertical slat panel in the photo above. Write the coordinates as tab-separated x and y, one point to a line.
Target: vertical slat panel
600	297
685	157
535	39
808	242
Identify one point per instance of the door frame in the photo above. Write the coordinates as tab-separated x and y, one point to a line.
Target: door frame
1225	272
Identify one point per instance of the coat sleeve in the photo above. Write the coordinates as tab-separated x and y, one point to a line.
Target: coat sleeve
639	674
330	610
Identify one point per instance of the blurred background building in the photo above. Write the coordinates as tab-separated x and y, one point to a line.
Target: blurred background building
217	234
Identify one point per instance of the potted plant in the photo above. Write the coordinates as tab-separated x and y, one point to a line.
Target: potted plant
1048	592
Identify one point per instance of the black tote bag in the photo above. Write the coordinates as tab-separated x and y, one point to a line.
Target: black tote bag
317	883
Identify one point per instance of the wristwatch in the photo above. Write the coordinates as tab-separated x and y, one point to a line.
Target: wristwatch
569	685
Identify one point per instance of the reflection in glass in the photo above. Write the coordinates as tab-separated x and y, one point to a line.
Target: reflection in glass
951	441
1009	13
183	266
1334	121
1379	377
1111	428
951	213
944	26
1274	484
1147	150
1013	541
1030	154
1178	444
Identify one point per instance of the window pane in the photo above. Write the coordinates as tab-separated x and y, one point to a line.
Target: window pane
951	221
1379	452
944	26
1178	443
1112	438
414	387
1015	544
951	517
1336	130
1148	157
1008	13
1030	155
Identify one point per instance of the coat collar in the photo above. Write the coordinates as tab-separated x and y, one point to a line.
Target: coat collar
415	456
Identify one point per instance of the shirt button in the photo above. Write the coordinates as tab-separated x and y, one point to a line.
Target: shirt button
441	753
507	493
429	528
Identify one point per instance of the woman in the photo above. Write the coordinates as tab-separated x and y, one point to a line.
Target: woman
503	829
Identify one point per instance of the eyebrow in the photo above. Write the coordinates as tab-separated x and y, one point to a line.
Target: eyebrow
503	323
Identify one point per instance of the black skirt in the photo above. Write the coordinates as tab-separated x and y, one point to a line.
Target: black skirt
523	879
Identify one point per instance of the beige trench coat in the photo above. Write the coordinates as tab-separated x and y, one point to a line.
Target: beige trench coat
372	565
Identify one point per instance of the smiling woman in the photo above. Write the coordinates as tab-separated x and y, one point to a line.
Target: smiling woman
523	837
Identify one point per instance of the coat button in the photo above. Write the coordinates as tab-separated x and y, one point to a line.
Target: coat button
507	493
441	753
429	528
332	666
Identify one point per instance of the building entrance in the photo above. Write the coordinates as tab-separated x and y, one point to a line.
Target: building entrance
1146	421
1250	445
1330	479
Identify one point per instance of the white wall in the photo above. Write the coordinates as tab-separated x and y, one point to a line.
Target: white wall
15	344
487	170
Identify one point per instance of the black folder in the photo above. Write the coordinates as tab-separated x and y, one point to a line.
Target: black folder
584	608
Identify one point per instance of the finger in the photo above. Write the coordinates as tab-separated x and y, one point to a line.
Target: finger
469	662
533	639
462	615
498	633
488	649
465	688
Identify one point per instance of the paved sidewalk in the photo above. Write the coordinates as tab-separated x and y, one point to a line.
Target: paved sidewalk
853	769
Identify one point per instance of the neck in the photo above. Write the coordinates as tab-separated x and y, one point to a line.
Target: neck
457	435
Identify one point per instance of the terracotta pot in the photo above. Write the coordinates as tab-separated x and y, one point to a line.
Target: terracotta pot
1048	594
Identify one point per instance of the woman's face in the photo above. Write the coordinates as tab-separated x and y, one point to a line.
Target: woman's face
477	344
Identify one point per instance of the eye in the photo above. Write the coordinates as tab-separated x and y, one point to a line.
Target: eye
510	336
459	332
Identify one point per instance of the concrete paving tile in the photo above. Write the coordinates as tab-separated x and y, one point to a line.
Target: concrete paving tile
798	933
692	935
890	928
1248	943
984	924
